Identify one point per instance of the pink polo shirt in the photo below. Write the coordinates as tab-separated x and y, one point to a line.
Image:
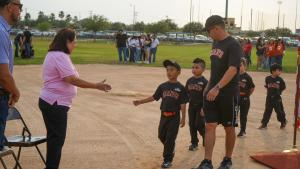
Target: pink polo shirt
58	65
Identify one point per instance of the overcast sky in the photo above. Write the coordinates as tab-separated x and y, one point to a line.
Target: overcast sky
265	12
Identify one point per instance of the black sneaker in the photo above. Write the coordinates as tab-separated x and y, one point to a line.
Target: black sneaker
242	134
206	164
193	147
263	127
166	164
283	125
226	163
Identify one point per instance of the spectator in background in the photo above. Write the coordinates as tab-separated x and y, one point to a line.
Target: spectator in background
18	42
147	47
247	51
260	49
139	45
121	43
271	52
153	49
27	42
132	48
281	51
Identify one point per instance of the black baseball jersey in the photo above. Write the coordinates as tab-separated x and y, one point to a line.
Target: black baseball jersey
275	85
172	95
246	84
224	54
195	87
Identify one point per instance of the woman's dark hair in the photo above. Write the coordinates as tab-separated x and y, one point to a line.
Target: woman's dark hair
61	40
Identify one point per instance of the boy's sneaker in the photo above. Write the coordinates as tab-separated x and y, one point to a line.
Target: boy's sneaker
193	147
263	127
166	164
241	134
226	163
206	164
283	125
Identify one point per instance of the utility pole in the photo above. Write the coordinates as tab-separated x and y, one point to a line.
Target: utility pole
296	17
191	6
283	20
226	10
199	11
251	19
242	14
279	3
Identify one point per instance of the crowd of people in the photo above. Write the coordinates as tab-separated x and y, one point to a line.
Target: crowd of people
23	44
268	52
136	49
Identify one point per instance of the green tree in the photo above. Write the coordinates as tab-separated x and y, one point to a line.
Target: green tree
52	18
193	27
43	26
61	15
139	26
95	23
68	18
117	26
41	17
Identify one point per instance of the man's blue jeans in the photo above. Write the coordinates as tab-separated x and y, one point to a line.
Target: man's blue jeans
3	115
122	50
153	54
27	49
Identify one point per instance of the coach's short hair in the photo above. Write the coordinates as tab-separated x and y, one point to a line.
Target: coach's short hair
3	3
275	67
199	61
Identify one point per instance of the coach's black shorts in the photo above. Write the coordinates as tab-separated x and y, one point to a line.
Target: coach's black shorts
223	110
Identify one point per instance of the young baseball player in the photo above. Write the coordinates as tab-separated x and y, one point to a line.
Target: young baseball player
195	87
275	85
174	98
246	89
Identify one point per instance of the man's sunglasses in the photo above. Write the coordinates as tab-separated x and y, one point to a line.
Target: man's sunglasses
19	5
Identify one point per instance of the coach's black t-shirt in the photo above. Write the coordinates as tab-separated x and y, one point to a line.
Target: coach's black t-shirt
246	84
275	86
172	95
121	40
224	54
195	87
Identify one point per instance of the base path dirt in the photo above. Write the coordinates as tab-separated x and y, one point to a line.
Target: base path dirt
105	130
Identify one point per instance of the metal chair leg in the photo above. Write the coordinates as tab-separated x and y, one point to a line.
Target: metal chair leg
3	163
17	161
18	157
41	155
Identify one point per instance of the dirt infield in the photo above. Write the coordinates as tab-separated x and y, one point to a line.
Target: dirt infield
105	131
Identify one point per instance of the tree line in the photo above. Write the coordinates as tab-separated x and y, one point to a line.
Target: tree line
97	23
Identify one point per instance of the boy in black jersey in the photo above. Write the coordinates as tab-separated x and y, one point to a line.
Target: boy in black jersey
246	89
195	87
275	85
174	98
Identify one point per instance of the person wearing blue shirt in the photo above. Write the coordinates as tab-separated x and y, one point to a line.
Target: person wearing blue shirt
10	11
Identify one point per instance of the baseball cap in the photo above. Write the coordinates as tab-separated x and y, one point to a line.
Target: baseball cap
167	63
212	21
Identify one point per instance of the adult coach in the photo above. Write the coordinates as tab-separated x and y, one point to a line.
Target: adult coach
60	86
10	11
221	95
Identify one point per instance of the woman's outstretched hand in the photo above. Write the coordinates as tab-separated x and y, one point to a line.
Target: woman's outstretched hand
103	86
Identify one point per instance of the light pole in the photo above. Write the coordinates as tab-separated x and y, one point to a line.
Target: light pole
134	15
191	6
226	10
296	17
279	4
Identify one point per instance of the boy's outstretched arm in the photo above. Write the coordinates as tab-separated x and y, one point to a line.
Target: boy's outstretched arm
143	101
183	112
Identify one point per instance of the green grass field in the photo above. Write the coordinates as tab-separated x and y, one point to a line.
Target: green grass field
89	52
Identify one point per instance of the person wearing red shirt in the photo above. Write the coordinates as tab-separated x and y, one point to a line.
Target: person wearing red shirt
247	51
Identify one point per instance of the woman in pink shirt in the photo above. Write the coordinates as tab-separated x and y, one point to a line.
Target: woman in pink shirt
60	87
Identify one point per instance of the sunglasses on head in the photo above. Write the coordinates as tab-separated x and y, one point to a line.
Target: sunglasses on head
18	4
